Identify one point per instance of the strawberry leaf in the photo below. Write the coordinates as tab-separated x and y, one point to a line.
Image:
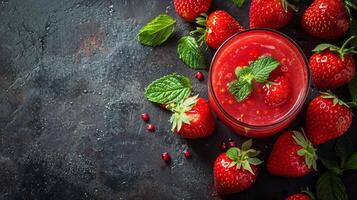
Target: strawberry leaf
330	187
157	31
353	31
262	68
352	86
247	145
190	53
238	3
332	166
171	88
343	149
351	163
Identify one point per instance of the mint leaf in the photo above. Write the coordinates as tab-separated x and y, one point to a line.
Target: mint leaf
322	47
262	68
157	31
171	88
343	149
352	87
351	163
240	90
330	187
332	166
190	53
238	3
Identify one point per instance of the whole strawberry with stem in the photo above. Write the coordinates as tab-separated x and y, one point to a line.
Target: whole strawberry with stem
327	19
327	118
192	118
270	13
189	10
216	28
236	169
293	155
277	91
331	66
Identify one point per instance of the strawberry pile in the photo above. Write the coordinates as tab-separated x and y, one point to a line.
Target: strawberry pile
294	153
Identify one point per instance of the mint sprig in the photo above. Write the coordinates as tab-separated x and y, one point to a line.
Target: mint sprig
157	31
167	89
189	52
259	70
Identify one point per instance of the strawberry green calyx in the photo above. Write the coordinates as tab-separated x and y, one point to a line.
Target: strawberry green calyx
285	4
201	31
244	157
179	117
342	51
309	193
348	5
336	100
307	150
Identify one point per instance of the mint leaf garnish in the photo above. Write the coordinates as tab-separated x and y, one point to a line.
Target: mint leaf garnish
262	67
190	53
330	187
157	31
167	89
238	3
259	70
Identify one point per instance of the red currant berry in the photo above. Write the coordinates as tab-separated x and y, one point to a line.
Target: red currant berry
166	157
199	76
223	146
145	117
232	144
187	153
150	127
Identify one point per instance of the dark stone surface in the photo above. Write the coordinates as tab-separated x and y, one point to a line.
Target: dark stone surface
72	77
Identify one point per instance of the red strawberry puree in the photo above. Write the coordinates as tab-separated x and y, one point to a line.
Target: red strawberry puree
253	117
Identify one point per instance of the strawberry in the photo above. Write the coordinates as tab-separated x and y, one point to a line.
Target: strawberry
292	156
327	118
189	10
277	92
331	66
192	118
327	19
236	170
298	197
270	13
219	26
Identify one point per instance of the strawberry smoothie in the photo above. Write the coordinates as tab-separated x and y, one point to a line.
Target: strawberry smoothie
253	117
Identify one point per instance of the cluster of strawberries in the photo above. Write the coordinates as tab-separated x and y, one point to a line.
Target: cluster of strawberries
328	117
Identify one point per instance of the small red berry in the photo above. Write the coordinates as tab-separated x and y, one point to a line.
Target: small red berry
145	117
199	76
187	153
223	146
232	144
166	157
150	127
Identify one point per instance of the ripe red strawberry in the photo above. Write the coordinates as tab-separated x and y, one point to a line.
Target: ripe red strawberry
332	67
277	92
292	156
326	19
269	13
219	27
236	170
298	197
189	10
327	118
192	118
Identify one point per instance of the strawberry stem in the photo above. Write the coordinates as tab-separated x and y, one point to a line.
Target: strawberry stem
342	51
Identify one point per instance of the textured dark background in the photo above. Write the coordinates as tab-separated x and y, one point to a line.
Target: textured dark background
72	77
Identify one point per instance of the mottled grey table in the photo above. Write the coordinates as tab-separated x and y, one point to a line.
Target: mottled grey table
72	77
